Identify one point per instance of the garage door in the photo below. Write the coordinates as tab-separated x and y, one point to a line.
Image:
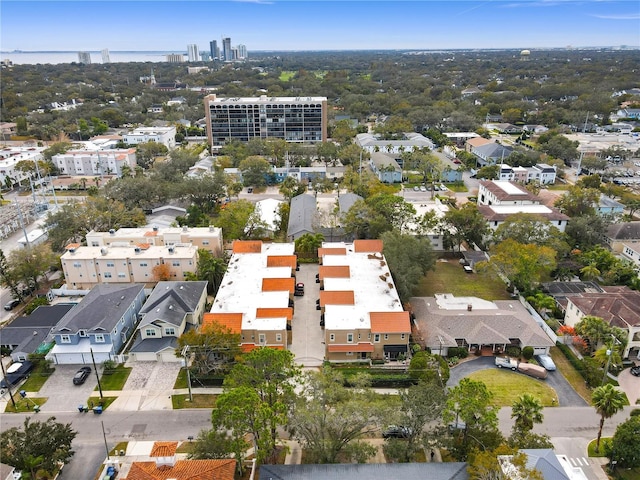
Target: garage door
79	358
143	356
539	350
168	357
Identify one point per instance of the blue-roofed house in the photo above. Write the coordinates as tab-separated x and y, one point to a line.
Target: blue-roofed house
99	326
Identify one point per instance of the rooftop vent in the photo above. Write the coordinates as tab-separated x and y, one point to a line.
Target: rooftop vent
155	229
171	250
112	231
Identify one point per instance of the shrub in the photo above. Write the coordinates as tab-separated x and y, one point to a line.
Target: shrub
109	367
460	352
635	412
527	352
513	351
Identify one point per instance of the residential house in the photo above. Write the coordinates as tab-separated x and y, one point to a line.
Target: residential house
164	135
99	326
207	238
542	173
507	128
268	211
608	206
301	216
201	168
491	153
619	306
95	162
367	471
446	321
633	113
544	460
385	167
11	156
171	309
411	141
560	291
460	138
631	253
255	298
535	129
85	267
32	334
497	192
474	142
163	464
363	315
7	472
155	108
620	234
435	235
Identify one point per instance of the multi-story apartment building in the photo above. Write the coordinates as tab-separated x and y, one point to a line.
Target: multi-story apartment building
164	135
227	54
294	119
361	311
84	58
214	50
255	298
95	162
207	238
192	53
85	267
105	55
175	58
11	156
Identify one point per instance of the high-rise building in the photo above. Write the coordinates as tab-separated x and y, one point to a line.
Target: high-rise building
192	53
175	58
105	56
84	58
242	52
227	55
294	119
214	50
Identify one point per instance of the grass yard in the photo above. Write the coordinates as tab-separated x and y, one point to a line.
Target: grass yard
185	447
119	446
95	401
36	379
449	277
457	187
200	400
626	474
591	448
571	374
286	75
116	379
508	386
181	380
23	404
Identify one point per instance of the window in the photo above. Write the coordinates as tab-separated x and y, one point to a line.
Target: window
262	339
386	336
205	242
402	336
94	244
170	331
332	337
176	263
349	354
359	336
278	337
150	332
82	333
376	338
99	337
349	337
65	339
143	264
122	275
107	275
77	264
111	264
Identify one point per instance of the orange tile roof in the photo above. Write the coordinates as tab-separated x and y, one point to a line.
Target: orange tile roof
233	321
336	297
278	284
143	246
332	251
367	246
249	347
334	271
282	261
275	313
390	322
151	233
223	469
72	245
247	246
360	347
163	449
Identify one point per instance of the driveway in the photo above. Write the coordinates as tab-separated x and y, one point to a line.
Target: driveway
62	394
307	337
567	396
630	385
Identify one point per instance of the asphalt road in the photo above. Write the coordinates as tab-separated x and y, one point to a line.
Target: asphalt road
567	396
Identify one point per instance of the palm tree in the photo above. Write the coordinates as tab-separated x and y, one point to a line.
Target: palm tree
607	400
527	410
309	244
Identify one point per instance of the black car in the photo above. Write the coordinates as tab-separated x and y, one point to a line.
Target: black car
299	290
395	431
15	373
81	375
635	371
12	304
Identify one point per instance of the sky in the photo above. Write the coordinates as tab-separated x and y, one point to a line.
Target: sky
317	25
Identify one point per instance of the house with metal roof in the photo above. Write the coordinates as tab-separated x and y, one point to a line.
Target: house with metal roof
301	216
385	167
491	153
32	334
99	326
171	309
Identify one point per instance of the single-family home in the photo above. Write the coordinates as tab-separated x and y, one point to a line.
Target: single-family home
620	234
474	142
171	309
631	252
543	460
268	211
445	321
98	327
301	216
32	334
491	153
385	167
608	206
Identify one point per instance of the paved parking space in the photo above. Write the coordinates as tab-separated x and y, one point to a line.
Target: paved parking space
152	376
307	342
62	394
630	385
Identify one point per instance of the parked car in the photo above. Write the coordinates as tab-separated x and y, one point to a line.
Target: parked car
423	188
546	361
506	362
16	372
81	375
12	304
299	290
395	431
416	189
635	371
457	162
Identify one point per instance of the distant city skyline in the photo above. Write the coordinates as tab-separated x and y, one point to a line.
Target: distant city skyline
297	25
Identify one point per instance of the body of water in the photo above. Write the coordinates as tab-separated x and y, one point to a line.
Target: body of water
33	58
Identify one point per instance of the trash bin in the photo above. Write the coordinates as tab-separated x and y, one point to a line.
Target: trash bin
36	408
97	410
81	408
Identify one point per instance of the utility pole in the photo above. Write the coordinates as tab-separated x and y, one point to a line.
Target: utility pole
93	360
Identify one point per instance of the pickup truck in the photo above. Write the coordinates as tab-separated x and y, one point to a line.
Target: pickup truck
535	371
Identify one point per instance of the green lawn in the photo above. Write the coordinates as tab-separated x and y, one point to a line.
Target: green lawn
95	401
507	386
200	400
181	380
457	187
286	75
23	404
116	379
591	448
571	374
449	277
36	379
119	446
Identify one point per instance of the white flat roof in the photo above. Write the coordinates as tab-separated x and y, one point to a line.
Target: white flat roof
129	252
447	301
509	187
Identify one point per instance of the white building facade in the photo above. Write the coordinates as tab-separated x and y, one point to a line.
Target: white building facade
163	135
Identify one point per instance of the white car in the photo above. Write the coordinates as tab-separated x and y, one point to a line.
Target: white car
546	361
423	188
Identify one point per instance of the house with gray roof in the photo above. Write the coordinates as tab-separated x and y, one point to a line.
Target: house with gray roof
362	471
301	216
346	201
385	167
446	321
608	206
545	461
171	309
491	153
620	234
99	326
409	141
32	334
